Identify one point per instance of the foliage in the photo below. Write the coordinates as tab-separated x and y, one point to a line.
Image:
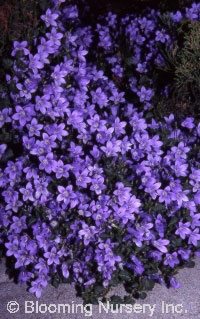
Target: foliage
95	191
182	68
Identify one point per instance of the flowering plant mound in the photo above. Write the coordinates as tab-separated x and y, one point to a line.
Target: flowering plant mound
93	192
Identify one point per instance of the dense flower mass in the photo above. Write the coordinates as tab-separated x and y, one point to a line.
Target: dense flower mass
97	192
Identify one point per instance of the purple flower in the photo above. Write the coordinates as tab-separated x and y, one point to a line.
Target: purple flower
137	265
145	94
117	97
160	225
97	185
5	219
99	97
27	192
171	259
2	149
160	244
174	283
12	248
156	255
23	115
123	214
52	257
46	46
141	67
59	131
61	169
54	38
37	287
75	151
58	75
24	275
20	46
111	148
47	163
34	128
42	103
28	142
39	148
183	230
132	204
185	253
152	188
180	169
161	36
191	14
65	270
195	220
13	169
19	223
197	253
180	197
96	123
194	237
4	116
10	195
188	123
81	54
122	192
82	178
49	18
14	205
110	257
67	195
35	62
88	233
23	91
180	151
49	141
42	266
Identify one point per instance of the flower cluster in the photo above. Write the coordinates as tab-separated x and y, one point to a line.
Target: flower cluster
96	193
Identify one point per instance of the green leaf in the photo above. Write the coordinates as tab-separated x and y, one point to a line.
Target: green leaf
67	280
149	115
177	242
148	284
129	300
151	268
198	244
55	281
99	289
2	88
114	282
135	285
136	294
143	295
160	208
173	221
44	5
21	65
190	264
124	275
116	300
92	299
129	61
7	63
104	236
53	236
32	220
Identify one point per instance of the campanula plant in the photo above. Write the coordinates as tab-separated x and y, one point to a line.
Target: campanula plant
96	192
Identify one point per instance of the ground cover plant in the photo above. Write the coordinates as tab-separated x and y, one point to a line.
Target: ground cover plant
96	191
